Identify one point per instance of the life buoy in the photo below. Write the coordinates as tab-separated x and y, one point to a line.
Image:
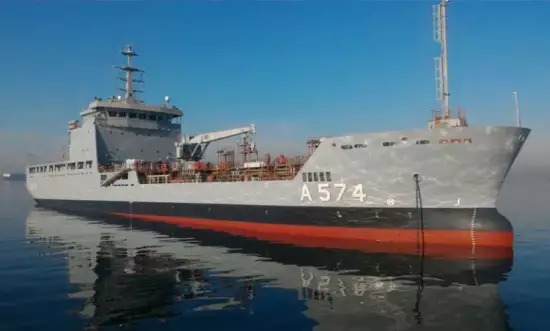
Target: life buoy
443	141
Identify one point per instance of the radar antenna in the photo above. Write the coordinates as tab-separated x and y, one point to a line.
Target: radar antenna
441	74
128	78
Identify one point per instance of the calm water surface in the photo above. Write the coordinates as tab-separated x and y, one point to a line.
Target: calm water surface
62	272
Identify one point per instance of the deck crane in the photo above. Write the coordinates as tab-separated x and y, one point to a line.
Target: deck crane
192	148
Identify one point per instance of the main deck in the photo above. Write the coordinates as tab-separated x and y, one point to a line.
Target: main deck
281	168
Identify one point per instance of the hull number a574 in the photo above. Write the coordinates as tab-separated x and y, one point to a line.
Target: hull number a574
334	192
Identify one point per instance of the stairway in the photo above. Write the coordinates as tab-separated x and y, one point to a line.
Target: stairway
115	177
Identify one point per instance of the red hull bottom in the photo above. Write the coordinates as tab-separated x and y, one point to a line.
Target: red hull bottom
454	244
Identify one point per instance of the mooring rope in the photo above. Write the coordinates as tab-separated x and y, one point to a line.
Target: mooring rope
473	236
420	245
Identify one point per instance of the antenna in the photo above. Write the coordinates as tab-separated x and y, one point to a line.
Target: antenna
441	75
518	121
129	69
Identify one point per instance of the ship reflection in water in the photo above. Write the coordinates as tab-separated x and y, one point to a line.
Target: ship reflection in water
132	274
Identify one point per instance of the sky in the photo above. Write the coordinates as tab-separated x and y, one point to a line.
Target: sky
294	68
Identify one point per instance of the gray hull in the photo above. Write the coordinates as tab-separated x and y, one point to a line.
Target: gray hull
453	175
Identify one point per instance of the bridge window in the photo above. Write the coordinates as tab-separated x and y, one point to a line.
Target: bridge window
160	118
315	177
360	146
142	116
112	114
346	147
304	176
309	177
132	115
388	143
322	176
422	142
152	117
122	114
329	178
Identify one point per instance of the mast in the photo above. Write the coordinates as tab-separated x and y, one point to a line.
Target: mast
440	36
128	78
518	121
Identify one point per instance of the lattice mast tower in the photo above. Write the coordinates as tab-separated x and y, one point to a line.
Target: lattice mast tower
441	73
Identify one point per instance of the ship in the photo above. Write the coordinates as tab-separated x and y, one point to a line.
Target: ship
14	176
439	184
137	271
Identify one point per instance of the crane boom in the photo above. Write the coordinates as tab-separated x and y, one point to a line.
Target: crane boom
219	135
192	148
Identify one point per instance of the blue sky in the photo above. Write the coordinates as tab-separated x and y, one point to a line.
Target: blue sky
295	68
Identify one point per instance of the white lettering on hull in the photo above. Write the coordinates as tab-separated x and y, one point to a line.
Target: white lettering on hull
336	192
